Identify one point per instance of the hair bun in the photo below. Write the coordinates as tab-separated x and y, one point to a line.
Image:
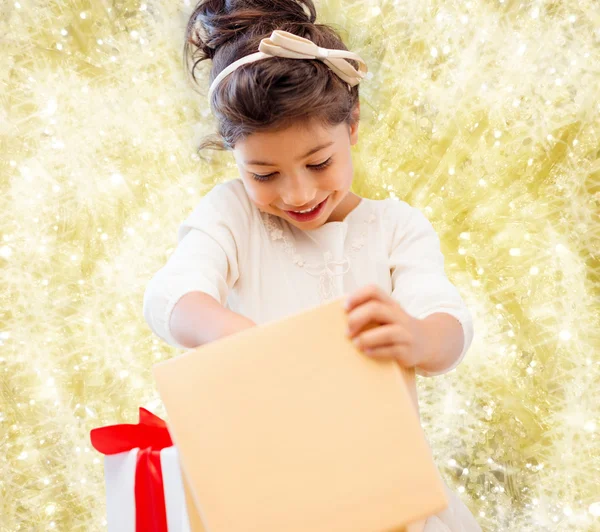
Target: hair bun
215	22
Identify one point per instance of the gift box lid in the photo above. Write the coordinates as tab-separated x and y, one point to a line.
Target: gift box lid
287	426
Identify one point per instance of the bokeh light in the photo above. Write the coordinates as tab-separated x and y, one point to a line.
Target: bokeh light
484	114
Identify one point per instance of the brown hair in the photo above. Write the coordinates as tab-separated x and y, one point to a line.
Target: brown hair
275	93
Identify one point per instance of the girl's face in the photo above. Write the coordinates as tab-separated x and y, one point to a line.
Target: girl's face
298	169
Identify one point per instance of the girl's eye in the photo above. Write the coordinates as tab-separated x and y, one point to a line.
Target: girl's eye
317	167
322	165
259	177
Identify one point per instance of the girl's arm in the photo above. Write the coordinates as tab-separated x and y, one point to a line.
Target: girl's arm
198	319
421	286
189	293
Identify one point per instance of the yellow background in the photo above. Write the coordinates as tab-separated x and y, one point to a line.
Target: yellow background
484	114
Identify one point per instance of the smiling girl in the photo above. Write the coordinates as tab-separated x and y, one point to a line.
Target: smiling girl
288	233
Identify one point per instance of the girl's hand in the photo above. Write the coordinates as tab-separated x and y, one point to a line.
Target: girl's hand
379	326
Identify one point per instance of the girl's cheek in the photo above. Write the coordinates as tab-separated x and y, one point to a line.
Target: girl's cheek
263	195
268	193
338	179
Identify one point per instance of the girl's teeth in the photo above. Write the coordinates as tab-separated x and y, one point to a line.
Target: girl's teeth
309	210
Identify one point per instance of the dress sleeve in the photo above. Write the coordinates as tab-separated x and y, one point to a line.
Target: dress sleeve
206	259
419	281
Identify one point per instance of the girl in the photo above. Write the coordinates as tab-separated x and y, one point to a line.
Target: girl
289	234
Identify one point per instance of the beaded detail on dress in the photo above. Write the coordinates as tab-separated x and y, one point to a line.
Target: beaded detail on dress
328	269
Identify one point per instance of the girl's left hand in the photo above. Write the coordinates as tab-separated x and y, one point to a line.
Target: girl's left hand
394	333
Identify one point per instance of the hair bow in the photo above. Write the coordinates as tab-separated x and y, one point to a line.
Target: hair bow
285	44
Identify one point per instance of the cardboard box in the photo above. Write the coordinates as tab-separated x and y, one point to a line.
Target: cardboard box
288	427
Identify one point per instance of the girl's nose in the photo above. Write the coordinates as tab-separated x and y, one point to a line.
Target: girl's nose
298	200
297	196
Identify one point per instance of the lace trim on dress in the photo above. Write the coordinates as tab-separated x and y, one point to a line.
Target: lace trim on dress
327	270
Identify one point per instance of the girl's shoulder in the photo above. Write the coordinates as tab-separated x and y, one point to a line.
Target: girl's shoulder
230	193
226	205
400	219
394	211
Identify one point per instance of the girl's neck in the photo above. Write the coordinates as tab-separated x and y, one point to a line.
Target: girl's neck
346	206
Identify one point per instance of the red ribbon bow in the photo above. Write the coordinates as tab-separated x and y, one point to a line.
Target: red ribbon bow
151	435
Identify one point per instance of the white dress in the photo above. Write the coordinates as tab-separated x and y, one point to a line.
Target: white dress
260	266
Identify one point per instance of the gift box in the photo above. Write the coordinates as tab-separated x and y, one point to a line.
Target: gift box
288	427
145	490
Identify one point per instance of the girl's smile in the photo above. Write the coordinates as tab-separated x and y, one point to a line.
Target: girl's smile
310	214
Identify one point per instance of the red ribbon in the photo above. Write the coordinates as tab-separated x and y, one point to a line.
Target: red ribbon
151	435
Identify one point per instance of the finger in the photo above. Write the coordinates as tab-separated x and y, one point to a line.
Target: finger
367	313
385	352
385	335
364	294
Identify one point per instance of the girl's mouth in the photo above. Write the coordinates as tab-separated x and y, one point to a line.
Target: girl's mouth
310	215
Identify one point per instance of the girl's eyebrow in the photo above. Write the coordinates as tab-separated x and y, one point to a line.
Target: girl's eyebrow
310	152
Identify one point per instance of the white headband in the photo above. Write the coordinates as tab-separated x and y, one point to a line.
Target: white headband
284	44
